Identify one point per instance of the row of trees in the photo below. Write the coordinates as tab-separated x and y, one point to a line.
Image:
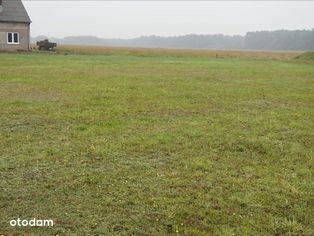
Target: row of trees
261	40
280	40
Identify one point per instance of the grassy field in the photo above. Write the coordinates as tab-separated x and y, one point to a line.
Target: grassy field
157	143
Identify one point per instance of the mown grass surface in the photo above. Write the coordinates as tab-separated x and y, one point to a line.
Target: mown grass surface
122	145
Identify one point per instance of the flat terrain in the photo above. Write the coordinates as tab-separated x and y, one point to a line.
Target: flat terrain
128	143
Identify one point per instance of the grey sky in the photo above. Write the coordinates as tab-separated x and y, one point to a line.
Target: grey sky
109	19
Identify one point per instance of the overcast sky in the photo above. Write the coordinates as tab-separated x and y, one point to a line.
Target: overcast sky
128	19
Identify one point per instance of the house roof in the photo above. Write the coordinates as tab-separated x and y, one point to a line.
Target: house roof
13	11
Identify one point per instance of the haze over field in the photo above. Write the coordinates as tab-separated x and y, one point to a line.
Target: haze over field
131	19
292	40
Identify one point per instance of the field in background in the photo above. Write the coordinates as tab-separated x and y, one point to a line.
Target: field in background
149	52
157	142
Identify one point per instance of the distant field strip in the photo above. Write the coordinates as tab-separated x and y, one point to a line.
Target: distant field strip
102	50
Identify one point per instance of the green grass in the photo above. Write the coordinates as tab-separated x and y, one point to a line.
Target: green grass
122	145
307	56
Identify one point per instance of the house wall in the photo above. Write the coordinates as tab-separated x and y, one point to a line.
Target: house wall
23	30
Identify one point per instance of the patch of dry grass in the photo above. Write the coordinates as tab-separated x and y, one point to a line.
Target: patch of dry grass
103	50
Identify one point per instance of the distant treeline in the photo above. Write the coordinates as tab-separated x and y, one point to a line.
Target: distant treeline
301	40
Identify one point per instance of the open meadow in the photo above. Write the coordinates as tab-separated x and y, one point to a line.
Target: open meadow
157	142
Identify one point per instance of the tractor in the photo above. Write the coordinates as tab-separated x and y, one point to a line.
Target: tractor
46	45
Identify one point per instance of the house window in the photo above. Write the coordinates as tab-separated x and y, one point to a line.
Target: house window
13	38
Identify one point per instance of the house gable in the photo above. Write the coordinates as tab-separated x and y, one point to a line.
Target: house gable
13	11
